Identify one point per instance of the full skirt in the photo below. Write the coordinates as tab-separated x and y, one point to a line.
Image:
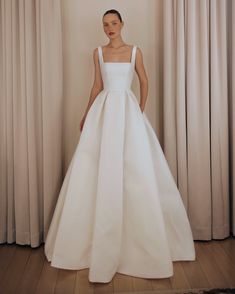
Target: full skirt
119	209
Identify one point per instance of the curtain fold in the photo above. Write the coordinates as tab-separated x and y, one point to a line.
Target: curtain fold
196	110
231	21
219	120
30	118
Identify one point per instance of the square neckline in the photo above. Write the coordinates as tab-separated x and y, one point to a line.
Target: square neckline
121	62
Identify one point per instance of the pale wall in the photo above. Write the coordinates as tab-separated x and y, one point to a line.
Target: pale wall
83	31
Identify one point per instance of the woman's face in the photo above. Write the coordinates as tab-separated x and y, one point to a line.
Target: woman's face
112	25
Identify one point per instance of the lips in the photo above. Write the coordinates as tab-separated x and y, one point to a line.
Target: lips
111	33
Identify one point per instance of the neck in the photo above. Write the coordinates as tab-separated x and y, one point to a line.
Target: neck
116	43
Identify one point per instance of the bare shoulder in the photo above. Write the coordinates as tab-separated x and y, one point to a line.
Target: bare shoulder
95	51
95	54
139	55
138	51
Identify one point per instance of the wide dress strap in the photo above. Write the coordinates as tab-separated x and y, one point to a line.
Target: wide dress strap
133	55
100	54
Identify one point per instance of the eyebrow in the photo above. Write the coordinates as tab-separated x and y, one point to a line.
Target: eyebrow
111	21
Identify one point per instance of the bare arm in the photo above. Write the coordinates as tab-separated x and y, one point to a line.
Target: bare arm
97	84
139	67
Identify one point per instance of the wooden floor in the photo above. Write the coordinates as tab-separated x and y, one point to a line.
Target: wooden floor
25	270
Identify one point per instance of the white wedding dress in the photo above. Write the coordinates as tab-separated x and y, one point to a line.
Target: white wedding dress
119	209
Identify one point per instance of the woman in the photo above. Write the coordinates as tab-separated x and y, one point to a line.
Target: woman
119	209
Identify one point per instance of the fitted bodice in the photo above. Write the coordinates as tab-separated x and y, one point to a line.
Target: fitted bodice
117	75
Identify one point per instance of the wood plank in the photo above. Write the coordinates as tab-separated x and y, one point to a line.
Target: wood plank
65	281
102	288
223	261
194	273
228	246
179	279
161	284
122	283
15	270
47	280
212	271
141	284
32	271
7	253
82	284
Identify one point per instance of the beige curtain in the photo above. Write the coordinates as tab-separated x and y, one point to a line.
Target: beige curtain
199	110
231	64
30	118
232	112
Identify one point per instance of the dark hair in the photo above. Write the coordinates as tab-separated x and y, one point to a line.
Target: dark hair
115	12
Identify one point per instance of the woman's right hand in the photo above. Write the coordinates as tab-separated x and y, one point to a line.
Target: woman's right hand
82	122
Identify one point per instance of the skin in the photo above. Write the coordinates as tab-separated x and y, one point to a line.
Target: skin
116	51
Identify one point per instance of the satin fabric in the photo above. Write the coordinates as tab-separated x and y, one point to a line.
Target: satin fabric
119	209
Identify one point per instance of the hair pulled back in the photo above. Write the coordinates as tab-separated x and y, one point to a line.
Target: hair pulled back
115	12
